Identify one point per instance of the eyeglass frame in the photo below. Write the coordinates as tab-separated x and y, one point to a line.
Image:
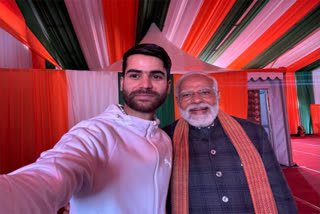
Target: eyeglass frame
200	93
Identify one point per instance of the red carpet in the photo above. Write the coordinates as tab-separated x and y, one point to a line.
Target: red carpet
304	180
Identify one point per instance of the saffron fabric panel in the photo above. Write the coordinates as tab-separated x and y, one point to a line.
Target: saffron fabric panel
33	114
207	22
120	18
90	93
315	117
13	22
292	102
88	22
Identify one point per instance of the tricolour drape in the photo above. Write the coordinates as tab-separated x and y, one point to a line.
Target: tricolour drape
33	114
305	98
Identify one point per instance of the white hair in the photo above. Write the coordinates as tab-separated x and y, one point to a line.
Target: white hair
214	87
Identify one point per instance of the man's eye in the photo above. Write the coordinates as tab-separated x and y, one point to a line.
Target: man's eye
205	92
185	95
157	77
134	76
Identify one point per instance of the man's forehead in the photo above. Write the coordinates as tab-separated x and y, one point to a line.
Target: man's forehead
196	81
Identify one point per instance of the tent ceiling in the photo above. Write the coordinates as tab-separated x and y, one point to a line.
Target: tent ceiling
231	34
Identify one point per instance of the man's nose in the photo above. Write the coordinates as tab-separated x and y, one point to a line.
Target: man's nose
146	82
196	98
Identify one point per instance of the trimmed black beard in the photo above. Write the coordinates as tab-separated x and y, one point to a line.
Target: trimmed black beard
129	100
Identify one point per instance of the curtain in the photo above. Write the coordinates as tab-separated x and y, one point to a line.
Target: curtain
165	112
33	114
14	54
12	21
88	22
316	85
315	118
288	19
292	102
268	15
179	20
120	18
233	93
305	98
90	93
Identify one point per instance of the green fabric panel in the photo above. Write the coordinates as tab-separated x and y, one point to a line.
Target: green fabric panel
49	65
227	24
305	98
166	112
50	23
150	11
216	52
293	36
311	66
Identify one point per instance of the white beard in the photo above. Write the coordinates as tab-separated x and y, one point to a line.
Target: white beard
202	120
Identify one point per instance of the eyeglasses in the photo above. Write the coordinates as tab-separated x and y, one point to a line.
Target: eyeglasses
203	93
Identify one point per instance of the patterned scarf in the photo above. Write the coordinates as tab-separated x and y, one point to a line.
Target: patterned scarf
260	190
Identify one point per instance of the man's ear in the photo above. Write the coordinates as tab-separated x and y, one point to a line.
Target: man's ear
168	86
121	83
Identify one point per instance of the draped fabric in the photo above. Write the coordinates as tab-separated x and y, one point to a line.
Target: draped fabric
264	20
292	16
17	55
233	87
207	22
292	102
233	93
122	16
12	21
305	98
316	85
90	93
298	52
33	114
180	17
315	118
87	19
166	113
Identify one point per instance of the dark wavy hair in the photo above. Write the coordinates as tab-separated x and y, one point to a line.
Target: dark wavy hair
149	50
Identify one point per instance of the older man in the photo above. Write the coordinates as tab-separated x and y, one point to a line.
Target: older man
222	164
116	162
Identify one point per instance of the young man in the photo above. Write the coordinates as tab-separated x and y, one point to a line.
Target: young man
221	164
117	162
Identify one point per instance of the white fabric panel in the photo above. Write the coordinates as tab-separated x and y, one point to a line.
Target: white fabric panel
302	49
180	17
181	61
316	85
13	53
264	75
88	21
89	93
278	114
268	15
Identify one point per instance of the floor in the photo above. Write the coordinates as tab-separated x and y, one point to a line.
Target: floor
304	180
